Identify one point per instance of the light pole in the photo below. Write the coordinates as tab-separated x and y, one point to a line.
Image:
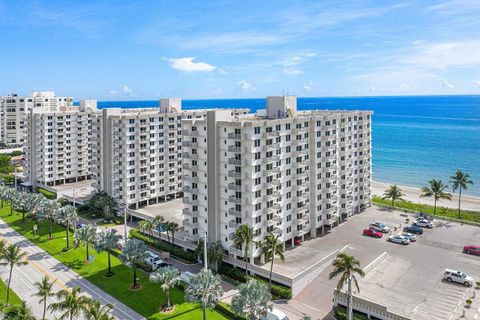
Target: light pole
15	175
73	194
123	206
205	264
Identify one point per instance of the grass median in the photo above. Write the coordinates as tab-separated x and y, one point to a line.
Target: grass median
14	299
145	301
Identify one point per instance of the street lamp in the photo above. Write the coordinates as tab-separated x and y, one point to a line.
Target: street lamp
124	207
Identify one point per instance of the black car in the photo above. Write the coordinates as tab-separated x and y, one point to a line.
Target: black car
413	229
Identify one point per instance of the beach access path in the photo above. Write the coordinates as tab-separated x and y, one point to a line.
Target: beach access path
413	194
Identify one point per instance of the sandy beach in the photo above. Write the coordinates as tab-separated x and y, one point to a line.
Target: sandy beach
413	194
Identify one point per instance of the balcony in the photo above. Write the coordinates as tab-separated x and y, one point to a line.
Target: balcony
234	174
237	149
234	212
234	136
187	155
277	232
235	187
235	200
236	162
235	251
272	158
188	223
271	134
233	224
189	201
190	144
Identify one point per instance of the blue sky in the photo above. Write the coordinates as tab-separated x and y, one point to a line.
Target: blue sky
124	50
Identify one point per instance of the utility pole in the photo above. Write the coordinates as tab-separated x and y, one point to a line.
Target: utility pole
125	221
205	264
74	197
15	175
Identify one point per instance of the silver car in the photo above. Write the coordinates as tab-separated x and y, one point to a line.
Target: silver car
399	239
410	236
458	276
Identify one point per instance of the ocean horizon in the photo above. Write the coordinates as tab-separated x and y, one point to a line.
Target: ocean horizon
414	138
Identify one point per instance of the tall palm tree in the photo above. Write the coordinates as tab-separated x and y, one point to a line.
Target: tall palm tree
205	288
107	241
157	222
85	236
243	236
47	210
45	290
394	193
3	192
435	190
215	254
19	312
67	215
272	246
347	266
172	227
146	226
135	251
95	311
10	196
13	256
71	303
26	202
460	181
252	300
167	278
3	248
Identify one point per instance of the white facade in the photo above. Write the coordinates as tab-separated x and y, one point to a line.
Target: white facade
58	144
290	173
14	111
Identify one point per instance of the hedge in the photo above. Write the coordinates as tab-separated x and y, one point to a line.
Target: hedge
340	313
161	245
227	311
48	194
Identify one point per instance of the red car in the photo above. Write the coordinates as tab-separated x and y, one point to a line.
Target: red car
472	250
372	233
297	241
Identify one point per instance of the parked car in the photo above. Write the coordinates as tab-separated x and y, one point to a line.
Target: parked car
399	239
274	314
424	223
379	226
472	250
458	276
297	241
153	260
185	276
371	232
413	229
410	236
81	225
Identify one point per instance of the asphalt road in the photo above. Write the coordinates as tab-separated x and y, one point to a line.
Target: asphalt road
40	263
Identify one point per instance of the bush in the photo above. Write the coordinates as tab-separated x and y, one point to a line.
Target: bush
161	245
341	314
48	194
227	311
468	301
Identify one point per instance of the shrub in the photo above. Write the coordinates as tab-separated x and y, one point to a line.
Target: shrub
48	194
341	314
161	245
468	301
227	311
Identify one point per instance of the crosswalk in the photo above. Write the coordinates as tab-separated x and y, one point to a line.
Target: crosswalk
441	303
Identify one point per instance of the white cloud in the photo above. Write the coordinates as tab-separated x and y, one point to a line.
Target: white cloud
447	85
126	89
308	86
292	63
217	91
112	92
404	86
245	86
188	65
476	83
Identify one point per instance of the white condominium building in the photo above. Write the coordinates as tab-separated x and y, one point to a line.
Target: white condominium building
14	111
293	174
58	144
137	154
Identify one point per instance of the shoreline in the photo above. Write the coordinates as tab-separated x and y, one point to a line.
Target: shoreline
412	194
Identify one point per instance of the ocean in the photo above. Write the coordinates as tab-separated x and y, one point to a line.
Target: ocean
415	138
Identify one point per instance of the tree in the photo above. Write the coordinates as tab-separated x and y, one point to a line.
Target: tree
135	251
460	181
347	266
243	236
167	278
13	256
26	202
436	189
146	226
215	254
3	248
85	236
107	241
172	227
252	300
205	288
45	290
199	249
67	215
272	246
103	201
9	195
47	210
95	311
71	303
394	193
18	312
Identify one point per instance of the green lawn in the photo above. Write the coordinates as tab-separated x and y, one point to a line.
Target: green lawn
14	299
473	216
145	301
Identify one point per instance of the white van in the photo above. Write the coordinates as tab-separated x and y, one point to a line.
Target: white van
274	314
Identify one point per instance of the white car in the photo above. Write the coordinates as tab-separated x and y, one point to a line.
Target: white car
185	276
410	236
153	260
399	239
423	223
274	314
379	226
458	276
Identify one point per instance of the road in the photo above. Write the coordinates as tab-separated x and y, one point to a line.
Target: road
40	263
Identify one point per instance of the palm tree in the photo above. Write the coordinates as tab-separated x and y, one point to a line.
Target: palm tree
436	189
13	256
85	236
205	288
48	210
167	278
95	311
3	248
146	226
272	246
243	236
347	266
3	192
102	200
10	195
172	227
19	312
215	253
26	202
252	300
394	193
460	181
107	241
199	250
71	302
67	215
135	251
44	287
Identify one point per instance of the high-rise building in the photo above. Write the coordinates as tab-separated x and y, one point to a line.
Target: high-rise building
293	174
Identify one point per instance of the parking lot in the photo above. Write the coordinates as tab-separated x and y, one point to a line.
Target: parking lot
409	279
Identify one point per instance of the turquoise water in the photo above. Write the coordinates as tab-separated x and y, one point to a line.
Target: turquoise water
414	138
